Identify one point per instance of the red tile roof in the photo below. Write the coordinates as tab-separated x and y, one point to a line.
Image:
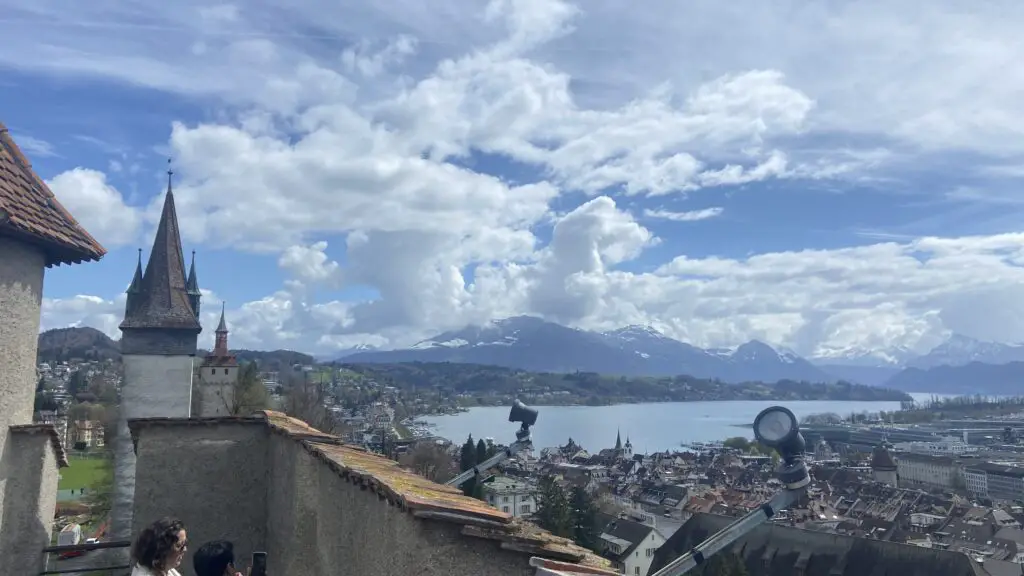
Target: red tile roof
30	212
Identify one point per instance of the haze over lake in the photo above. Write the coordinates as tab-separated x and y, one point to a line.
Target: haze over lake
651	427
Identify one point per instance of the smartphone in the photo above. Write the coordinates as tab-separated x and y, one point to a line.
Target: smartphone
259	564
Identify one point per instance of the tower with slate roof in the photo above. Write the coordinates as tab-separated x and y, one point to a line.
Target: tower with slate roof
158	346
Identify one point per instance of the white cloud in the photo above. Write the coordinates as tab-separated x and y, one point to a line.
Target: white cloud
688	216
97	205
310	264
378	142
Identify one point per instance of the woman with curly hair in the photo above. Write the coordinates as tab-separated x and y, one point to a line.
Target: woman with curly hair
158	550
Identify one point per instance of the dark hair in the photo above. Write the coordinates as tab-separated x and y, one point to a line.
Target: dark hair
157	544
213	558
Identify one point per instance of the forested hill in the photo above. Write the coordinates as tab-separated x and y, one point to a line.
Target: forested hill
491	382
66	344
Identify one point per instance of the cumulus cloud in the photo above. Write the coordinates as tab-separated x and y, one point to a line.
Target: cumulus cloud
97	205
472	160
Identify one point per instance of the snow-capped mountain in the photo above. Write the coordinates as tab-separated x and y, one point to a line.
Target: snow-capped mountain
354	350
533	344
961	350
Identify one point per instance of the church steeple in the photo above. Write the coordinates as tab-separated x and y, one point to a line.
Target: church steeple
192	287
160	301
618	440
220	347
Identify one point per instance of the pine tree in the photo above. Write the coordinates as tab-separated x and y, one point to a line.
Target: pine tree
481	451
467	459
553	511
584	528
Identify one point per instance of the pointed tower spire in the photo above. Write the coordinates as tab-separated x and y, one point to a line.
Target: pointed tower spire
134	288
618	440
192	287
161	306
222	326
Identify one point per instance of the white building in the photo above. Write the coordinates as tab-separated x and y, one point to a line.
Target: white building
948	446
927	471
629	545
511	496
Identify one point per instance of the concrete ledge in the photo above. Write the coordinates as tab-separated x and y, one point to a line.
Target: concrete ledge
58	446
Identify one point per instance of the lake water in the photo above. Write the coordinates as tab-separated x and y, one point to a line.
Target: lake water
650	427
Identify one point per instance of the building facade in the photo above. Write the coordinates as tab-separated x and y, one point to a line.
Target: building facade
218	375
512	496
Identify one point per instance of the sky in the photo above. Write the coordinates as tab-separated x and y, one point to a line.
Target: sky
840	178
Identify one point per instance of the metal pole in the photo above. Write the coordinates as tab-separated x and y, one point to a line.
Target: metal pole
731	533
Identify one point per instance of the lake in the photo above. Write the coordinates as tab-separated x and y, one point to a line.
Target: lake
650	427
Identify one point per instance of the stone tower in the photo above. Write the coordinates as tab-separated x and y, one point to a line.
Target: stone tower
883	467
158	345
36	233
218	375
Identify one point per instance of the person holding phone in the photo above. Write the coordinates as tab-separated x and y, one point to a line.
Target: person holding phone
217	558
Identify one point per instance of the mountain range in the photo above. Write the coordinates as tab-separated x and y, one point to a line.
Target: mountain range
960	365
533	344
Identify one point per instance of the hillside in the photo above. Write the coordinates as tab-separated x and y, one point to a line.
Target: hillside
494	382
970	379
63	344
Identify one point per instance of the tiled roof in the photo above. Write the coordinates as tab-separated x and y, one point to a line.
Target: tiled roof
407	490
30	211
162	299
58	446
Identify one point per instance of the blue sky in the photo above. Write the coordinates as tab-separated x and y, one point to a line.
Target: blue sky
374	174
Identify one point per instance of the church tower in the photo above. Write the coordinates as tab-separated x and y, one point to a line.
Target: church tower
218	375
158	345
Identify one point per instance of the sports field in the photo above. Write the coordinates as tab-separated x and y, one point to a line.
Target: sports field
82	473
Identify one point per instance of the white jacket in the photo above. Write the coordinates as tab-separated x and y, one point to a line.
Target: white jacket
143	571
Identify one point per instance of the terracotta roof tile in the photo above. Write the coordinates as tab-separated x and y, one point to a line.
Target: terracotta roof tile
34	214
58	446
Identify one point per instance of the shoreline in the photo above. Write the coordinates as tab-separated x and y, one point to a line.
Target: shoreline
463	409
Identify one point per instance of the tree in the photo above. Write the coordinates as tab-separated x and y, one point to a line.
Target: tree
481	451
430	461
77	383
553	510
306	400
249	394
467	460
583	511
738	443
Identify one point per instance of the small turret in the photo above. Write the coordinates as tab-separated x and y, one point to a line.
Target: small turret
192	287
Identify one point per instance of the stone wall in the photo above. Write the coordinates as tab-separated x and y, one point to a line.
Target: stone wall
31	498
319	508
21	292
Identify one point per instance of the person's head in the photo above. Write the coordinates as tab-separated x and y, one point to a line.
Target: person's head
215	558
161	545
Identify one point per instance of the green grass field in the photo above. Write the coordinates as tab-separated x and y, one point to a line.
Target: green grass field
81	473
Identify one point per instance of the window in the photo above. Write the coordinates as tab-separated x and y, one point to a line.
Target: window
213	371
524	509
504	509
504	498
225	370
636	570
